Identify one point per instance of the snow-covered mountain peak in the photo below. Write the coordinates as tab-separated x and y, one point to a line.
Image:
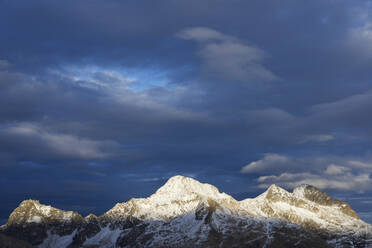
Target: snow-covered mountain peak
274	189
307	206
182	188
275	193
31	204
311	193
178	196
90	217
31	211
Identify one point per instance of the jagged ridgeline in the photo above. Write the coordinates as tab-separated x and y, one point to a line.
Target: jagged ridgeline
187	213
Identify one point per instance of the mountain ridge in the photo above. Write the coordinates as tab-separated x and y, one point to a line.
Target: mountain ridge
197	214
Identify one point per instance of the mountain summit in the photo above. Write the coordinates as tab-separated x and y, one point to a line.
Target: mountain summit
187	213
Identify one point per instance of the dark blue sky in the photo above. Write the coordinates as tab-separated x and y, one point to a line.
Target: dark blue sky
101	101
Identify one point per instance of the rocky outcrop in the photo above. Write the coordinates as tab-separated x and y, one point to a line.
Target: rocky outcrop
322	198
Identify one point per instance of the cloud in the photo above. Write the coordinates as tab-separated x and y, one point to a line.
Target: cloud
319	138
345	181
362	36
361	164
321	171
349	113
336	169
65	145
359	37
270	161
4	64
227	56
271	116
348	106
202	34
277	163
126	92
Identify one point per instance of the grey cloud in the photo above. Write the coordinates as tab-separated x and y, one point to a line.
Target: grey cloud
359	37
271	116
4	64
348	106
316	138
203	34
226	56
360	41
351	112
65	145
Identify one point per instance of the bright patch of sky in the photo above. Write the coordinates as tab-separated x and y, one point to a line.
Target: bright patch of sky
138	79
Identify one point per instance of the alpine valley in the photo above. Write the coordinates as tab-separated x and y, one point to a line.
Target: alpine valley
187	213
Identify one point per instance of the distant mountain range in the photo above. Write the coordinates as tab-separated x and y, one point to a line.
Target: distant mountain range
187	213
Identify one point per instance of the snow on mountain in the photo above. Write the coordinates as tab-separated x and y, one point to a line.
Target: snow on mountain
31	211
187	213
308	207
178	196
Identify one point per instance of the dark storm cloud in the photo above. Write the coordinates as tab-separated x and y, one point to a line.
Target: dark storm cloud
100	97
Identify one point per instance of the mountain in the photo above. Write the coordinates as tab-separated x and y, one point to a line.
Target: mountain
187	213
9	242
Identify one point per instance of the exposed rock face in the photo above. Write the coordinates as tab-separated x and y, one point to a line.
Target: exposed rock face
313	194
309	208
187	213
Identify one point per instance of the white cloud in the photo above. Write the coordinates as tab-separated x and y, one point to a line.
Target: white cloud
270	161
323	172
333	169
228	57
345	181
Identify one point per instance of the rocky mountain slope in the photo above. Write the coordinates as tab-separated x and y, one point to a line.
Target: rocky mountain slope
187	213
